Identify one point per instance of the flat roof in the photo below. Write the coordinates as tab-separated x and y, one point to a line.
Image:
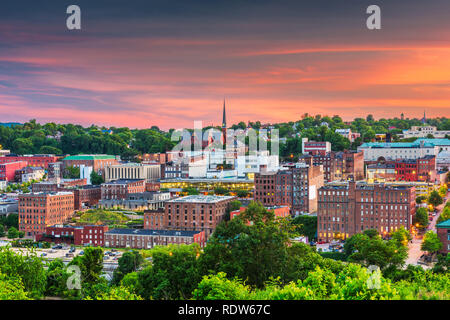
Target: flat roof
123	181
228	180
200	199
149	232
90	157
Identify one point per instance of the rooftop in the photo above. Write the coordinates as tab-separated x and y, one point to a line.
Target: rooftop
200	199
90	157
147	232
419	143
123	181
444	224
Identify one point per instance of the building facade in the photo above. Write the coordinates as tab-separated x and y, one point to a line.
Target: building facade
147	239
349	208
120	189
8	170
32	160
147	172
443	233
295	187
98	162
92	235
190	213
39	210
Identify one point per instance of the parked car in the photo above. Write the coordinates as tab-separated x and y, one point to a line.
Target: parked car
43	254
69	255
81	252
73	249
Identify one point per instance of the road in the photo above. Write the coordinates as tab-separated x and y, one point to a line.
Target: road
414	247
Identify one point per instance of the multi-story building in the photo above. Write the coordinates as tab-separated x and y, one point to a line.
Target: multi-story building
443	232
29	174
443	161
147	172
315	147
138	201
92	235
349	208
147	239
159	158
120	189
382	151
190	213
98	162
50	186
424	131
380	172
347	133
295	187
248	165
421	169
351	165
86	196
54	171
8	170
39	160
39	210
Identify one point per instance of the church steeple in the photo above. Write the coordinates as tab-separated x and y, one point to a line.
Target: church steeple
224	118
424	119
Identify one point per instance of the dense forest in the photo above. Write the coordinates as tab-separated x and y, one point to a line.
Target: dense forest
32	137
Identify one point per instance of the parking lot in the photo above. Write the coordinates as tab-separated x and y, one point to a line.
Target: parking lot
66	253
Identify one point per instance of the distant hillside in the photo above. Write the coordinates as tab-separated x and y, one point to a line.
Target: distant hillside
10	124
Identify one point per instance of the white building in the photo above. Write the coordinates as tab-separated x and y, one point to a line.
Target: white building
374	151
85	173
443	160
248	165
424	131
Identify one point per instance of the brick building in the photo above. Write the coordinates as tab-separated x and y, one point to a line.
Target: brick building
98	162
147	239
345	165
32	160
190	213
8	170
160	158
295	187
421	169
49	186
86	196
119	189
348	208
443	232
92	235
39	210
315	147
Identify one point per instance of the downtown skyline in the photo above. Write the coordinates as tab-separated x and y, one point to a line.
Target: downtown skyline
169	63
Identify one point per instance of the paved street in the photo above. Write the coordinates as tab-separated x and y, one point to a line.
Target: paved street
414	247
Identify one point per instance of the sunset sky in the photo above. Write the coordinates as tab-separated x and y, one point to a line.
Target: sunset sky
140	63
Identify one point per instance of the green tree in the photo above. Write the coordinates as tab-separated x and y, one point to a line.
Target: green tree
421	218
306	225
96	179
435	198
71	172
13	233
11	288
129	262
173	274
431	242
251	246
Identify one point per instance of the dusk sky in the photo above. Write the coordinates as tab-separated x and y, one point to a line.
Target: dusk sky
140	63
